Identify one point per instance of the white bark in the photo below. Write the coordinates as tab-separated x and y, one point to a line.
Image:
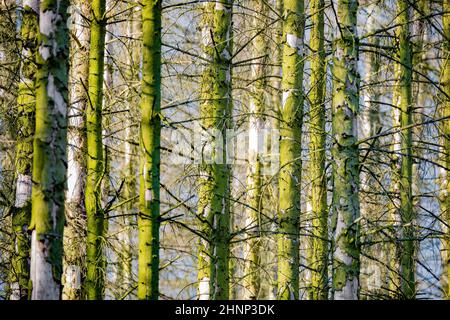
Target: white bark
23	190
203	289
44	285
75	165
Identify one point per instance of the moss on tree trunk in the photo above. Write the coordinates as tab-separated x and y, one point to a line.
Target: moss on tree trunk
318	251
213	204
26	105
291	117
345	154
95	277
150	131
49	161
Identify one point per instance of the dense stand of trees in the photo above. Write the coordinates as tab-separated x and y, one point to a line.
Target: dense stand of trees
229	149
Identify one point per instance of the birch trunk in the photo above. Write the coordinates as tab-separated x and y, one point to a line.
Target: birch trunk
24	155
345	154
49	161
74	242
374	271
253	225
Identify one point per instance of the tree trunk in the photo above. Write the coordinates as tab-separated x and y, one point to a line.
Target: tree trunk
404	107
318	254
373	276
49	161
291	115
95	162
213	204
445	83
253	214
345	155
150	139
26	102
125	272
74	231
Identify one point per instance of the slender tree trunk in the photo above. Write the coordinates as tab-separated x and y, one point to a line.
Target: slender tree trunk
394	201
318	255
95	277
150	139
291	115
24	155
345	154
49	161
74	231
445	83
125	274
213	204
205	184
373	260
252	255
107	113
404	105
270	287
129	192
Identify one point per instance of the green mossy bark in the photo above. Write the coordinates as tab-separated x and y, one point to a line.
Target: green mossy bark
49	159
404	104
318	251
95	163
213	205
150	139
291	117
26	101
345	154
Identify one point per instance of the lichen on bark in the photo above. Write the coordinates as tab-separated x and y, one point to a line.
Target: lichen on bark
345	105
49	161
291	117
